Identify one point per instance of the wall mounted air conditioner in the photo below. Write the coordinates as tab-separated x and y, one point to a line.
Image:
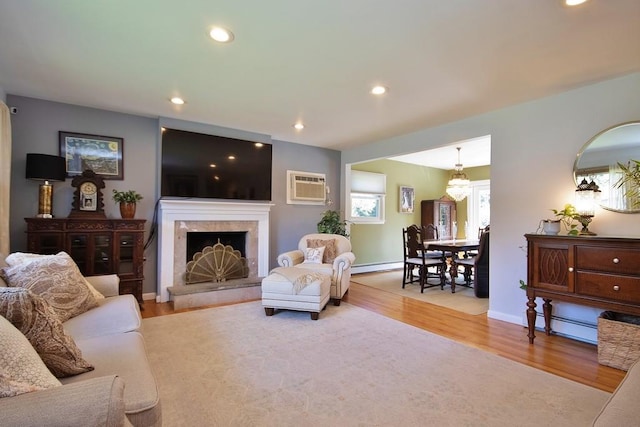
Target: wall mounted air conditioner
306	188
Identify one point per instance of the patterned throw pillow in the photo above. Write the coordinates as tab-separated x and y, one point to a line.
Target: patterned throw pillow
330	248
21	369
17	258
57	279
313	255
33	316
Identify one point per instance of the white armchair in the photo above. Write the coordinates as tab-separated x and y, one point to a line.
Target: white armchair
337	260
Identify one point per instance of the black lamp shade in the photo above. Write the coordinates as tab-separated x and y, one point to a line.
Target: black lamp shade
45	167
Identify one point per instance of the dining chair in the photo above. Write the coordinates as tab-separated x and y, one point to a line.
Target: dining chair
415	256
431	234
476	268
481	231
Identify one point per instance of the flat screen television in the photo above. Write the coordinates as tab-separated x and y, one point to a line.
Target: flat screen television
209	166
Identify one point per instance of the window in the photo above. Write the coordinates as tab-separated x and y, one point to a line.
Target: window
367	208
367	197
478	207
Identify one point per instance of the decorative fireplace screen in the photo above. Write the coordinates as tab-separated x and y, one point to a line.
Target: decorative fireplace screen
216	263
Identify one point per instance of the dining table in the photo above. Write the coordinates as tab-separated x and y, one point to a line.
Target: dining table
451	249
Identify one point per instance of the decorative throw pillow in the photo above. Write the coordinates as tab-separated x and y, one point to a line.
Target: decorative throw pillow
33	316
18	258
58	280
22	370
10	387
330	248
313	255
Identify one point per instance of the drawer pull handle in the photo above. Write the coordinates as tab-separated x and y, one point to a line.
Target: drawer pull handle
616	288
616	260
570	269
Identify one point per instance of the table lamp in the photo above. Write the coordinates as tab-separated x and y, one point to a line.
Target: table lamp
45	167
585	199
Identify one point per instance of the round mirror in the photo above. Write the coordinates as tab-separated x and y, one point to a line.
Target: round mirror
599	160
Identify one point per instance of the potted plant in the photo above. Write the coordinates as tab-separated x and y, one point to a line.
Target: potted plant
551	226
127	200
331	223
569	217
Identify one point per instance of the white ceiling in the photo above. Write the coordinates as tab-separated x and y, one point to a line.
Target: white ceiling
473	152
313	61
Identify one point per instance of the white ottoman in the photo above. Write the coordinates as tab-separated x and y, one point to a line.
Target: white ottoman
283	291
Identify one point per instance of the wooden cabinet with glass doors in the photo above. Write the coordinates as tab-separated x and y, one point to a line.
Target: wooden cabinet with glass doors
441	213
98	246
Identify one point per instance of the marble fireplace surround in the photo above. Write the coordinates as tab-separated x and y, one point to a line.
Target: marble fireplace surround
176	217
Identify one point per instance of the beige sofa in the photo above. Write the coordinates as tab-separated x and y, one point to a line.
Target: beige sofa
622	407
121	390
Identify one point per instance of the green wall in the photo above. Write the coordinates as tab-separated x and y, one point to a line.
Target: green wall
382	243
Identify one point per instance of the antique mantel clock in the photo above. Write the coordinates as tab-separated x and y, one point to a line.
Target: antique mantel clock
87	197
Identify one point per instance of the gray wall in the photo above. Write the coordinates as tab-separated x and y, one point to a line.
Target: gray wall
533	147
35	130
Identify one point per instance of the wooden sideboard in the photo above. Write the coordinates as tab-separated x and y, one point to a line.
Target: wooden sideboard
98	246
602	272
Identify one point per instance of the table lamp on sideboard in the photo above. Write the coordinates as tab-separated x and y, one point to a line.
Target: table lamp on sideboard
45	167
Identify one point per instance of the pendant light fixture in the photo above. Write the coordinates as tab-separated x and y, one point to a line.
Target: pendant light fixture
458	188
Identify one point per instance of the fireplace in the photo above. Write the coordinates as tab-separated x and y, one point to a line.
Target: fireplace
177	218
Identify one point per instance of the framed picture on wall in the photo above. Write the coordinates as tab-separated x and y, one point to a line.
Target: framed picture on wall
101	154
407	197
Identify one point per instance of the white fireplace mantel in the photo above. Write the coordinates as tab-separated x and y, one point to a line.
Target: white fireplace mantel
171	211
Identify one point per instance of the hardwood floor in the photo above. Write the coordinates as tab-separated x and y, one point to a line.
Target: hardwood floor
564	357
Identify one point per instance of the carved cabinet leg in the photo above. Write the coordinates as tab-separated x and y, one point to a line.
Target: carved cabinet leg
546	310
531	318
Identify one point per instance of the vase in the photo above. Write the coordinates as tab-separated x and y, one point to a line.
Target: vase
127	210
550	226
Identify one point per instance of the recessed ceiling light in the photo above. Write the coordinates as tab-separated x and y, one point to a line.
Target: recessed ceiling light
259	144
378	90
574	2
176	100
231	157
212	165
221	35
298	126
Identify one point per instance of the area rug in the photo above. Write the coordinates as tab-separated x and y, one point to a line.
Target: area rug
234	366
463	300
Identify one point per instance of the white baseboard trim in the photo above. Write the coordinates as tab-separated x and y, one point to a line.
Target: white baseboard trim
368	268
498	315
149	296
